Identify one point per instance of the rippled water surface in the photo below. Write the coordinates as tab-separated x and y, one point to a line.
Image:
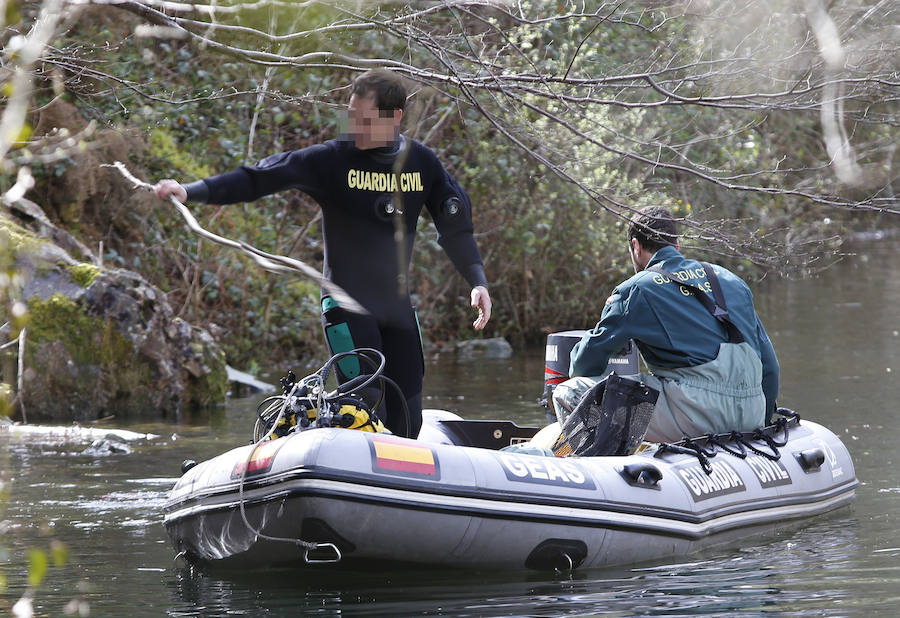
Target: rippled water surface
838	342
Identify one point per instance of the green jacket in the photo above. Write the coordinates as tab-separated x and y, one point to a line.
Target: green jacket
670	328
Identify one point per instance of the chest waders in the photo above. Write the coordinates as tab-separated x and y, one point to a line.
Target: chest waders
724	394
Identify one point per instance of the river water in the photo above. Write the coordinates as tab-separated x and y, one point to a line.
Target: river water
837	339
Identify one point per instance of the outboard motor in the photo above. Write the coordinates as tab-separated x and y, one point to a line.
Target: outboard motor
556	363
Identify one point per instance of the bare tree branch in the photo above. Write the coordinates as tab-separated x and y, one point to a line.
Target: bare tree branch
543	81
279	264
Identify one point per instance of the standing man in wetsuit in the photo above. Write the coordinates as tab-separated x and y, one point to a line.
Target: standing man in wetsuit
369	184
710	358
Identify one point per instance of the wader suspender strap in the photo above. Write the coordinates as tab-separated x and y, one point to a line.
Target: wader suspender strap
718	309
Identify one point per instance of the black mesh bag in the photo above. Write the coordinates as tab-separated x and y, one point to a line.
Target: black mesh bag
611	419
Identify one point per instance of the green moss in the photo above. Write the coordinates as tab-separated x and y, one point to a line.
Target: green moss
16	239
95	368
101	355
209	389
84	274
6	400
217	383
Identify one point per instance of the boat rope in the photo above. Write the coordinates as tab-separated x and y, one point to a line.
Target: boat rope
689	447
306	545
769	439
742	441
734	436
298	397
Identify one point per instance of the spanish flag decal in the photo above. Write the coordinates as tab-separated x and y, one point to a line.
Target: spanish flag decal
260	461
405	458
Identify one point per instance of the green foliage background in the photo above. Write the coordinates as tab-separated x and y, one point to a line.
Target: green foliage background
176	109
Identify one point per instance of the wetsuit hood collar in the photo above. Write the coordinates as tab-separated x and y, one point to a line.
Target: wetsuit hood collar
390	150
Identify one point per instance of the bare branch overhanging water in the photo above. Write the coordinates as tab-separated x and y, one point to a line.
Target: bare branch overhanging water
509	63
279	264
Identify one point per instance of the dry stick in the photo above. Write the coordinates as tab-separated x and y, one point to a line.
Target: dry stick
273	263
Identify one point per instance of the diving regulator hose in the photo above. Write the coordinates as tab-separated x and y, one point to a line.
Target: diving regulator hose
312	387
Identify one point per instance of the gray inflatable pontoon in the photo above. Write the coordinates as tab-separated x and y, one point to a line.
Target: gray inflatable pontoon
331	494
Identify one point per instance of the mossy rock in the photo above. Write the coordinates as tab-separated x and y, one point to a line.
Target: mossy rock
104	342
80	366
84	274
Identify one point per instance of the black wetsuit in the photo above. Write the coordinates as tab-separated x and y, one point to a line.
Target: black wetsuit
360	194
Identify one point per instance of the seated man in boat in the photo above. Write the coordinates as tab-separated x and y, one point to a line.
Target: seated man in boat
698	332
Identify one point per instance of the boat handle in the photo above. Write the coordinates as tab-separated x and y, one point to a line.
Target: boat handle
642	475
811	460
325	560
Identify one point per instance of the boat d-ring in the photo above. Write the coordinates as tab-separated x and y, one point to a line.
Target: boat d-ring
324	560
571	563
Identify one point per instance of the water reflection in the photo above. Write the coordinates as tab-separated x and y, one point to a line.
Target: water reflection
809	572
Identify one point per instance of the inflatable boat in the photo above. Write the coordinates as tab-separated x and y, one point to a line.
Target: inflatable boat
339	495
322	485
